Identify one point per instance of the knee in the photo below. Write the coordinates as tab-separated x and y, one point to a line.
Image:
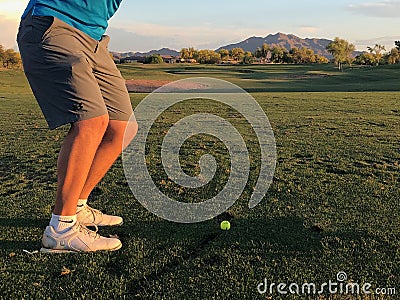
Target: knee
121	132
91	129
130	133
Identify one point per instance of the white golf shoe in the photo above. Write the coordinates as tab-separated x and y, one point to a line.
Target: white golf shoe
89	216
77	239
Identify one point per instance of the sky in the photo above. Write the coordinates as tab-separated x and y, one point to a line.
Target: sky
209	24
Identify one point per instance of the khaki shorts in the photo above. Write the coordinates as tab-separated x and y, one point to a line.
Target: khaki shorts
72	76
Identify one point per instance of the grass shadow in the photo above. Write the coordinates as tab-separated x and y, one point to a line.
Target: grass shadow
20	222
19	245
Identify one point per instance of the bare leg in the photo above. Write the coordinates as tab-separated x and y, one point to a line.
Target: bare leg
110	148
74	162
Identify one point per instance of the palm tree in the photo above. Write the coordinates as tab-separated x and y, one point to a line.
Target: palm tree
377	51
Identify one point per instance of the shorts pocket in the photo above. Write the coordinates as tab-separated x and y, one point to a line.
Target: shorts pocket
24	34
41	27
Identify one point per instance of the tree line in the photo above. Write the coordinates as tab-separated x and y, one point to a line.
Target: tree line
9	58
341	50
264	54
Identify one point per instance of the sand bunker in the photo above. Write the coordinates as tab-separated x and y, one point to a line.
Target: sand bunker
148	86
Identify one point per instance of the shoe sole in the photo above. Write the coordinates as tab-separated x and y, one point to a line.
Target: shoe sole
61	251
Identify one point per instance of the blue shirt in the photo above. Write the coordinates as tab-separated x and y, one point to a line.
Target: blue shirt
89	16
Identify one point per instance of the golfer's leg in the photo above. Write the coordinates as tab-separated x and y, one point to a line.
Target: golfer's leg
118	135
75	160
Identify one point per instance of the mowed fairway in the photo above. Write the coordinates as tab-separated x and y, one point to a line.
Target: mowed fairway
333	205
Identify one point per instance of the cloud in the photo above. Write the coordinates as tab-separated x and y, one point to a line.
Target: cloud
383	9
8	32
387	41
10	15
125	41
12	9
308	29
146	36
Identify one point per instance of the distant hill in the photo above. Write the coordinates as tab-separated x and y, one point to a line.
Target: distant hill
287	41
251	44
163	51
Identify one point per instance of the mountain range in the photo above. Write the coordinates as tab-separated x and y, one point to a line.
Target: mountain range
287	41
162	51
251	44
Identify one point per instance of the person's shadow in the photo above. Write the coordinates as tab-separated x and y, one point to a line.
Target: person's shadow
258	239
14	245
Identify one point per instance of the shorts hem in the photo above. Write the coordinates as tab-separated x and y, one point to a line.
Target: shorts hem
55	125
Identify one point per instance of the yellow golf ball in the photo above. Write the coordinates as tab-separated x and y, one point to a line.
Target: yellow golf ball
225	225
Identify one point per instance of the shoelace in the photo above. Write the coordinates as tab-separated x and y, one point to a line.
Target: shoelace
85	230
94	212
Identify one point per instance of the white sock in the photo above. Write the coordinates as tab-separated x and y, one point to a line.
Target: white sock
62	223
81	204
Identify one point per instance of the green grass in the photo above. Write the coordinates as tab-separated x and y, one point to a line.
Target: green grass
333	205
279	78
